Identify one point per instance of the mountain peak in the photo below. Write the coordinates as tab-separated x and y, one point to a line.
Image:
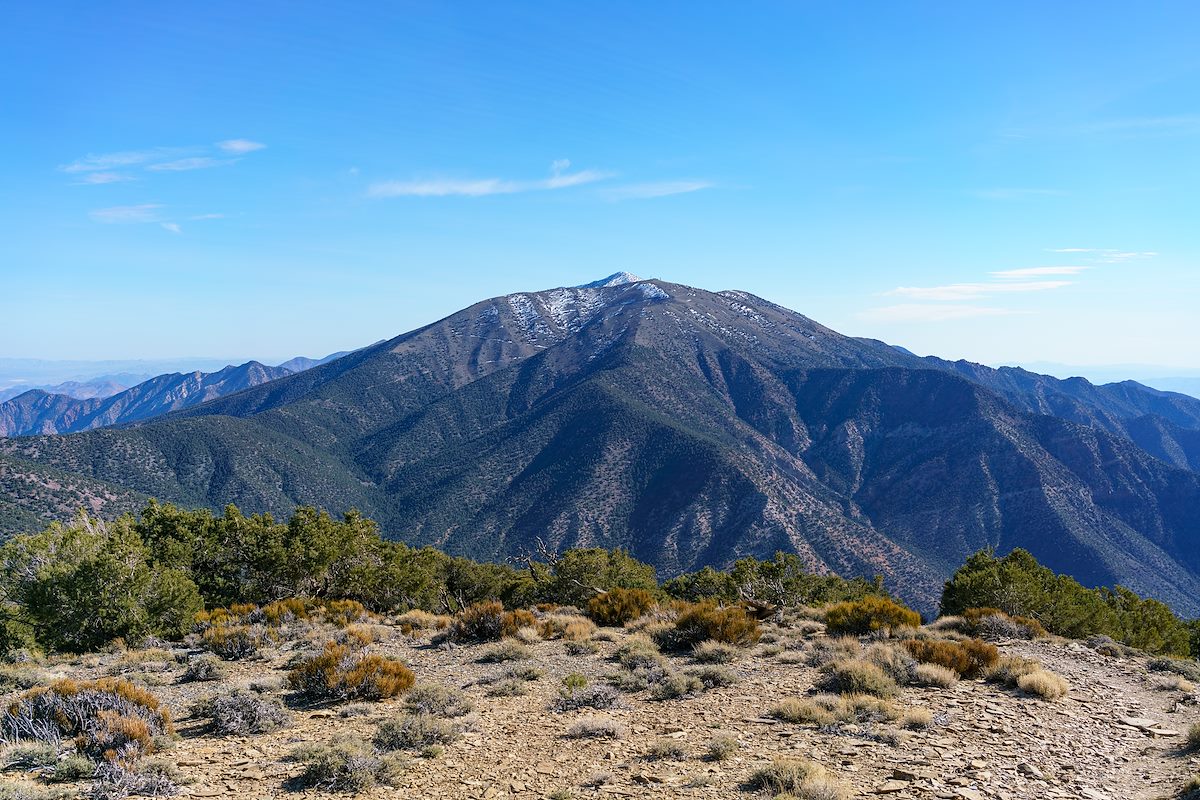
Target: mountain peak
616	279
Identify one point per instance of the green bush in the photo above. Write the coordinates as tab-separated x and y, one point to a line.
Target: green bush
869	615
618	606
706	621
1019	586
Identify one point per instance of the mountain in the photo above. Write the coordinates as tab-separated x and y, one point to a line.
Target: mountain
39	411
693	428
103	386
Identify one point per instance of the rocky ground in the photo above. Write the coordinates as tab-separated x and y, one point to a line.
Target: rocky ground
1117	734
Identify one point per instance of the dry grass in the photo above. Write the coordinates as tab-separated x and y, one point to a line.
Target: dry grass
597	728
856	677
917	719
934	675
711	652
969	659
1044	684
798	778
1193	737
869	615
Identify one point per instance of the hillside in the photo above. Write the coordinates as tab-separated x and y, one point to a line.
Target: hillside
690	427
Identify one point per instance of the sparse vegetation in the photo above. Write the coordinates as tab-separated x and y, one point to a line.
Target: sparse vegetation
342	673
597	728
666	750
1043	683
1193	737
346	764
108	719
618	606
970	658
711	652
414	732
721	748
799	778
856	677
438	700
242	713
868	615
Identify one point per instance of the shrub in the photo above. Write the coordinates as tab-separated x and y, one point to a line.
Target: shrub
345	765
1193	737
597	728
423	620
917	719
1044	684
107	718
1174	683
1009	669
581	648
41	754
798	777
507	650
713	676
481	622
801	712
934	675
282	612
856	677
244	713
414	732
120	779
513	621
992	623
675	685
234	642
571	627
969	659
72	768
1187	668
597	696
897	662
341	673
509	687
827	651
700	622
711	652
638	652
203	668
358	635
438	700
618	606
720	748
666	750
868	615
343	612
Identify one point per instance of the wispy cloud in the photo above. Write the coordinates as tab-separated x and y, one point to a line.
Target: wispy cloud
102	168
207	216
974	291
482	187
644	191
186	164
1107	255
1035	272
109	161
95	178
239	146
173	227
146	212
931	312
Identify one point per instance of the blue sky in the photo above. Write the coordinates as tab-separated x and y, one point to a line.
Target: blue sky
1006	182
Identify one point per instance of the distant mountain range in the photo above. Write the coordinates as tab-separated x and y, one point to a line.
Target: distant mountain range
73	406
691	427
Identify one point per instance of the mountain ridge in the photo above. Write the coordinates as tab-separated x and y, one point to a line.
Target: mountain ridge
692	428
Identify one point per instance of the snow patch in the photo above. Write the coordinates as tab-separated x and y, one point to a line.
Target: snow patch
616	279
